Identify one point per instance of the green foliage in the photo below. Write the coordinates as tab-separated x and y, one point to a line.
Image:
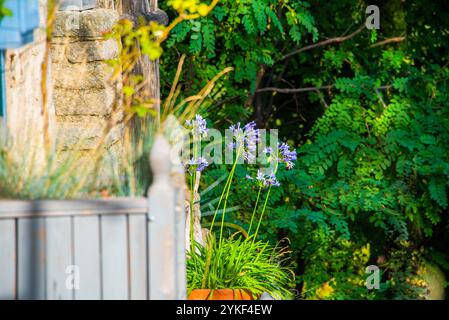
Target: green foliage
385	163
404	265
4	12
242	34
281	211
40	176
373	145
239	263
23	179
340	264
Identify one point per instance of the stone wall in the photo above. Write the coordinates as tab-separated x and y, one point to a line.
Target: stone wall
80	95
82	91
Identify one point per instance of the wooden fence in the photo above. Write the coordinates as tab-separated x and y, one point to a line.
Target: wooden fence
129	248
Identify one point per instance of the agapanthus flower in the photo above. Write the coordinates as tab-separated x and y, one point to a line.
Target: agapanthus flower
271	180
196	165
287	154
260	176
282	154
265	180
202	164
198	126
245	140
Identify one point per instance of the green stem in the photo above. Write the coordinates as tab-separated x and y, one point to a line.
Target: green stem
254	211
209	248
264	206
196	145
219	203
261	215
228	182
192	199
233	226
231	175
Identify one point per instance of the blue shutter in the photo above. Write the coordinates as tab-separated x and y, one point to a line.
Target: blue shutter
17	30
2	84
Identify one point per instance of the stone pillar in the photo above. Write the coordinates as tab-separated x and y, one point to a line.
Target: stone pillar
83	94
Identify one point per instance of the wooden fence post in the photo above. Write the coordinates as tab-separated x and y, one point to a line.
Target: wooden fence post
178	179
165	226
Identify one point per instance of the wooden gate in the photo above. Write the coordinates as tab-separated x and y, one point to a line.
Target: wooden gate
128	248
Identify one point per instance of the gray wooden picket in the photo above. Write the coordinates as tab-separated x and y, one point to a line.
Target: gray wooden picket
59	257
114	257
31	259
87	256
138	257
8	259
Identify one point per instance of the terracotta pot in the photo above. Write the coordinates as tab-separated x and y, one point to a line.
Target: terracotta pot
220	294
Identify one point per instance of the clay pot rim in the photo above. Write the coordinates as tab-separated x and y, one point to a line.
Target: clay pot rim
210	292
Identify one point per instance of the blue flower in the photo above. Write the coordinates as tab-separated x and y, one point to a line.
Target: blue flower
271	180
287	154
202	164
283	154
260	176
245	140
265	180
196	165
198	126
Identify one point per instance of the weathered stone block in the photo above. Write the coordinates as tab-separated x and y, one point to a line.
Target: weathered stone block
92	102
66	40
91	75
88	51
108	169
85	24
57	53
85	135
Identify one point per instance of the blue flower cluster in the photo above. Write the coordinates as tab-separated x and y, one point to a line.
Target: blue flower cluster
199	129
245	140
196	165
287	156
265	180
198	126
283	154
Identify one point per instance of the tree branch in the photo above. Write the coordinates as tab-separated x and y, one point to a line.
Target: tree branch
380	98
224	101
323	43
387	41
320	95
259	77
297	90
308	89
